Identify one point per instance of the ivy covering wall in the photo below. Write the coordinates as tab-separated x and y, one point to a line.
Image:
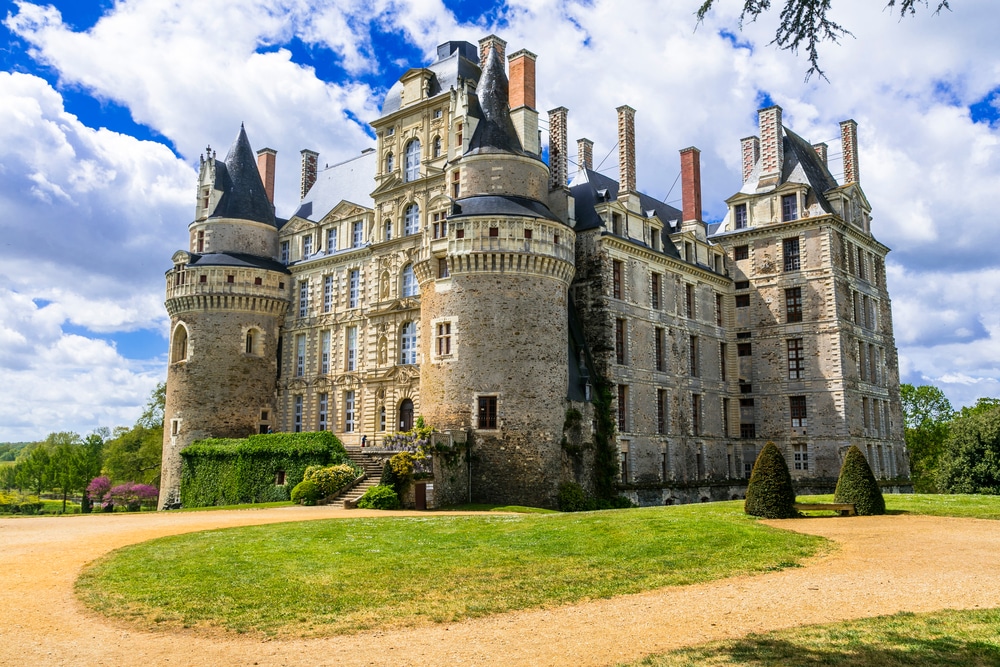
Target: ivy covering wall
222	471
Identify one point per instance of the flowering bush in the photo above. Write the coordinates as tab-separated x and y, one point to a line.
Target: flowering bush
331	479
133	496
414	440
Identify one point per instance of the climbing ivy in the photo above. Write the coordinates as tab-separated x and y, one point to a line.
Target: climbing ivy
605	450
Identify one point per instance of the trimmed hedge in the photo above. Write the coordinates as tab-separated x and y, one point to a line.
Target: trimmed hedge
229	471
857	485
770	493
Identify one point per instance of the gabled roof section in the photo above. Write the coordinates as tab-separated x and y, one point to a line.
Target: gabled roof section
456	62
801	165
349	181
495	132
590	188
243	195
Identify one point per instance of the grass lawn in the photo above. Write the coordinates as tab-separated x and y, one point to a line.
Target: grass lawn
342	576
966	638
966	506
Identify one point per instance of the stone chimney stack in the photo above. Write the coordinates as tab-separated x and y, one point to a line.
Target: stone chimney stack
309	167
750	147
691	184
491	42
521	99
585	153
557	147
626	151
772	150
849	143
821	151
266	158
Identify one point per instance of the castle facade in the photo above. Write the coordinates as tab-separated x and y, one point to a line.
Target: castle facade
452	273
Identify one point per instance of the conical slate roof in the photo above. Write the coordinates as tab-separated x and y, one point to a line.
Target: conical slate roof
495	132
243	195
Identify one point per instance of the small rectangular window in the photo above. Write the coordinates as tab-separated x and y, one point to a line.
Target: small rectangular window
740	216
748	431
796	359
655	290
494	232
689	301
201	241
623	420
744	349
789	208
487	417
790	249
459	233
741	252
444	338
442	267
718	310
694	357
801	456
527	233
620	341
661	411
696	414
616	279
797	407
659	344
742	300
793	304
742	284
723	349
349	414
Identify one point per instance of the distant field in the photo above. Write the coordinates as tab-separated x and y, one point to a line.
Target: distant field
347	575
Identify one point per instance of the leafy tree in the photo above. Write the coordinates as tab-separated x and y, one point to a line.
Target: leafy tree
804	23
134	454
927	416
32	470
152	415
971	460
769	492
857	485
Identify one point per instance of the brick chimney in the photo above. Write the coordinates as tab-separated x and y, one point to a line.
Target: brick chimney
557	147
585	153
821	151
772	150
750	146
491	42
309	165
849	146
626	151
691	184
521	98
266	158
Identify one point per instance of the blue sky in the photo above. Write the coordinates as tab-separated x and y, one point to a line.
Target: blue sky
105	107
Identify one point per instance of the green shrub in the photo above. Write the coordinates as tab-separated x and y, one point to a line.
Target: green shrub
572	498
614	503
306	492
389	476
769	492
379	497
857	485
331	479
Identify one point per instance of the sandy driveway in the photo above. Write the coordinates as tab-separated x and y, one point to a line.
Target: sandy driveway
883	565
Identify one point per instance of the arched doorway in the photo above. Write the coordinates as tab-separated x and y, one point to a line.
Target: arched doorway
406	415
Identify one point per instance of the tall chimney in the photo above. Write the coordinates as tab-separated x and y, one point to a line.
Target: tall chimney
585	153
265	165
491	42
557	147
772	149
750	147
849	146
521	99
691	184
821	151
309	165
626	151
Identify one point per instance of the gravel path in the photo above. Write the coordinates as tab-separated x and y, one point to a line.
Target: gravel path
883	565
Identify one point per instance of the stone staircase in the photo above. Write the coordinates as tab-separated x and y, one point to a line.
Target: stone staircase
373	475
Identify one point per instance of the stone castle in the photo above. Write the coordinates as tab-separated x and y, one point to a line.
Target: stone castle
450	272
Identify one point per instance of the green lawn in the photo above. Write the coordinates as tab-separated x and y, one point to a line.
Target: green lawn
342	576
960	638
966	506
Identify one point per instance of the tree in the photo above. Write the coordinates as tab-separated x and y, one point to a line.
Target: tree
32	469
134	454
857	485
804	23
971	459
769	492
927	416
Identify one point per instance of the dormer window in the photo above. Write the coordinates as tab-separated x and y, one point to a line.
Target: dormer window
789	208
740	216
307	245
390	131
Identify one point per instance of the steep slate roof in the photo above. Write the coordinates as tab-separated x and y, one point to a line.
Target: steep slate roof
501	205
495	131
238	260
455	60
589	187
351	181
243	195
801	165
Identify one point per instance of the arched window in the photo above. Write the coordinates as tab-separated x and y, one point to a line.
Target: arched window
390	162
381	418
250	341
436	147
408	343
179	350
412	161
410	287
411	220
406	415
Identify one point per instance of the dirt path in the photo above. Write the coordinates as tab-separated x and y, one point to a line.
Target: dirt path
883	565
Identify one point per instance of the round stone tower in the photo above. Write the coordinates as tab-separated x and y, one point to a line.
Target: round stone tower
226	296
494	312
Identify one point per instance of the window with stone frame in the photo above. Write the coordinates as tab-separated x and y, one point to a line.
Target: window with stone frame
439	225
744	349
412	166
387	227
410	286
656	290
797	408
740	216
303	298
486	413
790	254
796	359
300	355
621	341
789	208
793	304
321	412
411	220
718	310
328	286
623	406
408	343
659	348
352	349
358	234
616	278
800	456
353	288
694	357
443	271
741	252
436	147
696	414
179	346
349	411
390	162
742	300
331	240
307	246
442	339
661	411
297	414
324	352
689	301
285	252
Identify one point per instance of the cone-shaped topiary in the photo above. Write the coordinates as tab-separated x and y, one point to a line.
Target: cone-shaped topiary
770	493
857	485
